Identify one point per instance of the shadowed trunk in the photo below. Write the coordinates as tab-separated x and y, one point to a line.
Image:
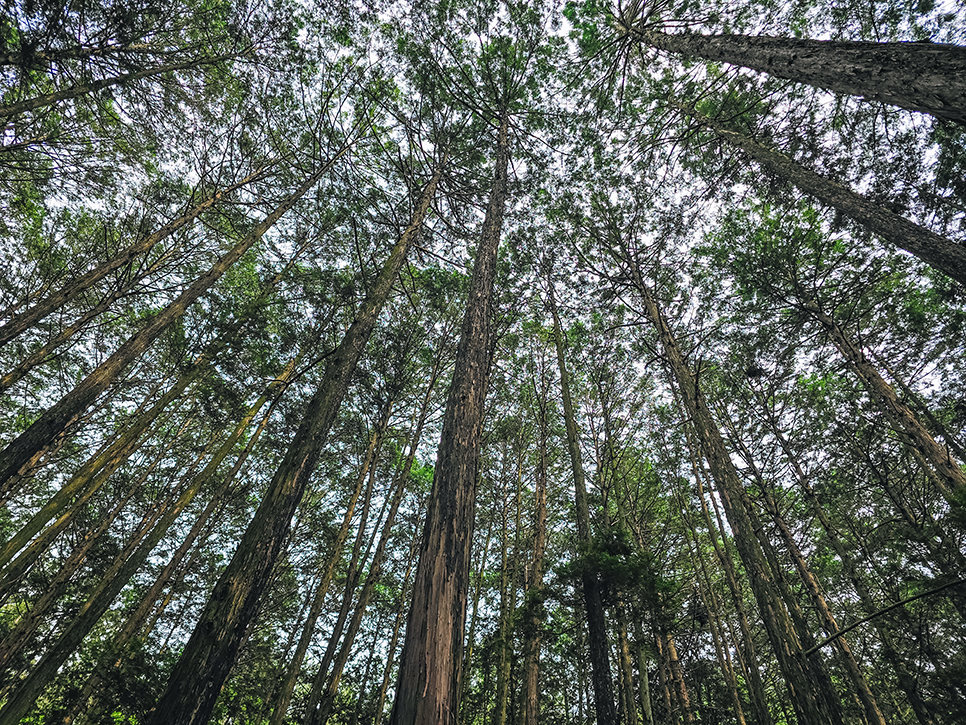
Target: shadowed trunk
927	77
428	688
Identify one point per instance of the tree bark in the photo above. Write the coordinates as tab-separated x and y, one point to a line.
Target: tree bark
210	652
938	252
812	706
926	77
428	688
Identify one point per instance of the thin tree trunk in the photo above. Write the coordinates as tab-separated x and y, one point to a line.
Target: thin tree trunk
938	252
124	567
284	695
210	652
706	593
756	687
83	89
642	674
904	678
135	625
534	594
98	469
949	472
811	704
396	630
926	77
26	319
356	563
31	444
596	624
626	668
428	688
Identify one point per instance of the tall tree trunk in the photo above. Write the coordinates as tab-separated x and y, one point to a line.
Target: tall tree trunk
320	702
926	77
211	650
26	319
137	625
626	668
938	252
117	576
949	471
428	689
811	704
873	713
396	630
596	624
642	674
31	444
708	599
756	687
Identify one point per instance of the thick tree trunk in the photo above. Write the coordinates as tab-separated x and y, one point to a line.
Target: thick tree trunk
428	688
26	319
926	77
210	653
31	444
811	704
938	252
596	623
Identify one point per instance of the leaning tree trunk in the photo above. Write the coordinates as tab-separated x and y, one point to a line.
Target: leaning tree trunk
927	77
210	652
596	624
119	574
938	252
33	442
428	688
52	302
811	704
950	476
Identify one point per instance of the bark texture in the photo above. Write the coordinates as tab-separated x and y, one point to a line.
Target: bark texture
938	252
211	651
427	691
926	77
